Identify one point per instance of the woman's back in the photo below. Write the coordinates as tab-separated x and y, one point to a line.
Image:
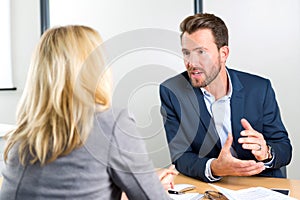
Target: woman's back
113	159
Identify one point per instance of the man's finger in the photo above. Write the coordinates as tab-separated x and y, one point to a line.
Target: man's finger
246	125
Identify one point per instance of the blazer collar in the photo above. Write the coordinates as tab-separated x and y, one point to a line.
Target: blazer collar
237	105
196	99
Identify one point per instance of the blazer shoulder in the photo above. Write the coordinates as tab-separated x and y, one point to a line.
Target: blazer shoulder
107	120
246	75
247	78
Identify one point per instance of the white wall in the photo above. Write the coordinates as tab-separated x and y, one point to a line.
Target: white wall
265	39
25	31
5	50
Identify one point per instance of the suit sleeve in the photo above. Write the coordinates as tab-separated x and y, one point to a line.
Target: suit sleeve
180	140
274	131
130	166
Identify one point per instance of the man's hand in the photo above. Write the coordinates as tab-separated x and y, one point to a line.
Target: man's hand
227	165
253	141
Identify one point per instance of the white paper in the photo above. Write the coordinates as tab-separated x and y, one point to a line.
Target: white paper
186	196
257	193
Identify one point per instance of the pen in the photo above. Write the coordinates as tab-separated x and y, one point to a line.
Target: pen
174	192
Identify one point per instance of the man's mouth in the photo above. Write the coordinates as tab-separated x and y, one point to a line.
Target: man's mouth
196	72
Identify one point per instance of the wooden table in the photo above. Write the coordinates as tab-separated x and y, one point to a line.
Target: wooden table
236	183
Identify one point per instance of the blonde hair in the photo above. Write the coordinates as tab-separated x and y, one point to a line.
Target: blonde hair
67	82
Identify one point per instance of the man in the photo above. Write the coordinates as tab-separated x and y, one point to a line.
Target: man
219	121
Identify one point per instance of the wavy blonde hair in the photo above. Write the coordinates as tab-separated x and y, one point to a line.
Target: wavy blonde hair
67	82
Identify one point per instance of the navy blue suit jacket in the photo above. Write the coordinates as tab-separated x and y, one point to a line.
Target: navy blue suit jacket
191	132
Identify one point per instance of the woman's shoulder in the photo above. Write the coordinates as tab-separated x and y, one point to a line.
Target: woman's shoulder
112	115
114	120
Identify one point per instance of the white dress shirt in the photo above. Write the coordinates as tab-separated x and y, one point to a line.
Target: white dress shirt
221	114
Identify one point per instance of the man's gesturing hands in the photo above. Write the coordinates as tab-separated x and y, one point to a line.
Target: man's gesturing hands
227	165
253	141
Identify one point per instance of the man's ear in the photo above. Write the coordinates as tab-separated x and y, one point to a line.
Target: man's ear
224	52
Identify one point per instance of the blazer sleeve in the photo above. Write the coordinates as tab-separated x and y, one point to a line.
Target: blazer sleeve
183	154
274	131
129	164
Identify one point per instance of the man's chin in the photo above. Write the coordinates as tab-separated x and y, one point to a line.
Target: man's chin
197	83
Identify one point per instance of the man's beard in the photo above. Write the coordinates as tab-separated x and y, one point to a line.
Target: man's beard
208	77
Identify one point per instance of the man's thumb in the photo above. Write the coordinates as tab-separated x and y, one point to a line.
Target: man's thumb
228	142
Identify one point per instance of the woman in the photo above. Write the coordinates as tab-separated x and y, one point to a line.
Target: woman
69	142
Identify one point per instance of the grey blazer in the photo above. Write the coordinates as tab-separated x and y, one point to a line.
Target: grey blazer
113	159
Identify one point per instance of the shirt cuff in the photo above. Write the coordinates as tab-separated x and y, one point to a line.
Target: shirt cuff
208	173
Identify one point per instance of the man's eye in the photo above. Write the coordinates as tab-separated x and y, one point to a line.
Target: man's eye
186	53
201	52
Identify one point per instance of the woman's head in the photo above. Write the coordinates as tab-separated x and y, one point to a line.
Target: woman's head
66	79
68	63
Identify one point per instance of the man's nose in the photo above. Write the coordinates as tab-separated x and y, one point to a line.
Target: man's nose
193	60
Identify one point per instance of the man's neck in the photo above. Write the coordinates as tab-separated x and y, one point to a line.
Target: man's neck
219	87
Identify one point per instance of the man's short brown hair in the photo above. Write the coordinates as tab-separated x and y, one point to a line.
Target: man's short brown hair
206	21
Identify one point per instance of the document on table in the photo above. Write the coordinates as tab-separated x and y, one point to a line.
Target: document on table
186	196
258	193
180	189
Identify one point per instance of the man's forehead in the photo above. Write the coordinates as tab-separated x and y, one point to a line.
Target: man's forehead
191	44
201	38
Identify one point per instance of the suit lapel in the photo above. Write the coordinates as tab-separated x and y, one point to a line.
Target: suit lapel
237	107
196	99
